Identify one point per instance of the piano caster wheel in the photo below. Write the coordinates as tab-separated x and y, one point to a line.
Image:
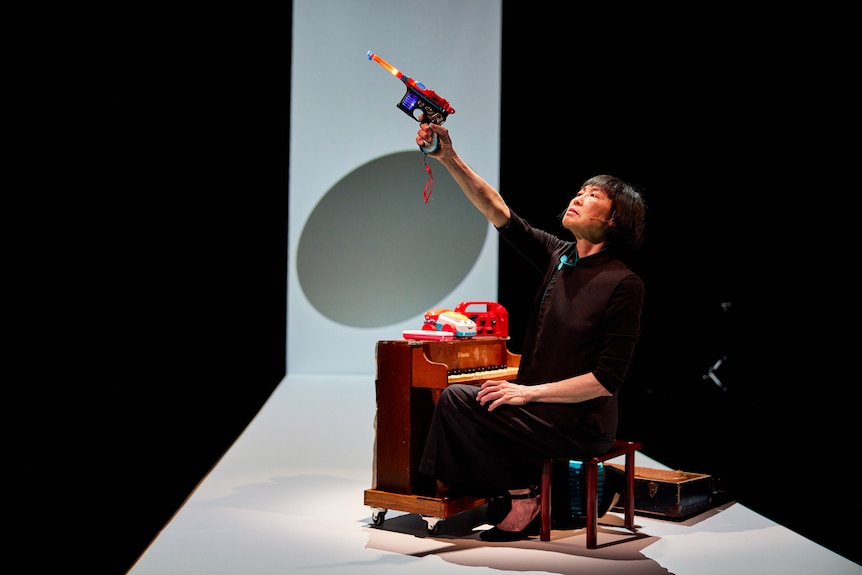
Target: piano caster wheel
432	525
378	516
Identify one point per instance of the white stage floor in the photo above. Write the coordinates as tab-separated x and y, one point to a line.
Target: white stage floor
287	497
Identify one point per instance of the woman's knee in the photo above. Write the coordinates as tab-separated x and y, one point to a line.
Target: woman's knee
457	394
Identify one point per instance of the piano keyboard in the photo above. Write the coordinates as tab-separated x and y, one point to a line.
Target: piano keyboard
481	374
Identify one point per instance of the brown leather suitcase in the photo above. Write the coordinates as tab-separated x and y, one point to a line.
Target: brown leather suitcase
670	494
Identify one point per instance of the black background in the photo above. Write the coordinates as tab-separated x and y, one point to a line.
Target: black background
177	328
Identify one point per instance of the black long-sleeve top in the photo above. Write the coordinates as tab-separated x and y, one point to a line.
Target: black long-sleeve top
586	318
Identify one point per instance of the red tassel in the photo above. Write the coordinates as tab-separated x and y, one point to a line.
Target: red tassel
426	191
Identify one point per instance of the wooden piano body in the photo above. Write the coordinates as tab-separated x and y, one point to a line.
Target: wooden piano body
410	376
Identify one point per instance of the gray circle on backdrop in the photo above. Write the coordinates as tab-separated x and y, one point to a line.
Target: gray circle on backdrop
372	252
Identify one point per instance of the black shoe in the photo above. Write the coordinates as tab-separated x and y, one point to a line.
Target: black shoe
505	502
498	507
495	534
535	526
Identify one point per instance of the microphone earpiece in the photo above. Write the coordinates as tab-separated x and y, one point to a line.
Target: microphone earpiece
564	261
605	221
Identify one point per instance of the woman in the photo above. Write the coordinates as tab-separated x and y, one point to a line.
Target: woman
585	321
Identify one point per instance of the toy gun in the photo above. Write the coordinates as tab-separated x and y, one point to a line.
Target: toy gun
420	103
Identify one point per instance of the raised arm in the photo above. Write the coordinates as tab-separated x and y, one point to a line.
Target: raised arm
482	194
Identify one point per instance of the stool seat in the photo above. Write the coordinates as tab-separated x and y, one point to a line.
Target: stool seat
591	489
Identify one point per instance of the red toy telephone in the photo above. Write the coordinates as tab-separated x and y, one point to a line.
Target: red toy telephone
492	320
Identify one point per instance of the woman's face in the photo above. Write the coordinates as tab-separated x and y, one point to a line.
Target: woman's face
590	210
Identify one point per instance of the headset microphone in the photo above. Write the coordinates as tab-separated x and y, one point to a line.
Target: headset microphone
604	221
564	261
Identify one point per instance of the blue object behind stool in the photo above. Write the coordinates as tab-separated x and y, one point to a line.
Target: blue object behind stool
577	486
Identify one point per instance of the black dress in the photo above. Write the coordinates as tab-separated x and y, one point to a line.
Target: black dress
585	318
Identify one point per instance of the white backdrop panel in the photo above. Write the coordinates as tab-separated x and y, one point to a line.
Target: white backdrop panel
372	227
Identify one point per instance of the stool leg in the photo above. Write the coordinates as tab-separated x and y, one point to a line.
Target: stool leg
545	501
592	499
630	490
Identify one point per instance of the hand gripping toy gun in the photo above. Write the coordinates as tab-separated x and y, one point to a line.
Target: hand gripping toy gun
420	103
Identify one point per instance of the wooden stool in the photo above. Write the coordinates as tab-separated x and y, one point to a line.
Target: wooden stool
591	473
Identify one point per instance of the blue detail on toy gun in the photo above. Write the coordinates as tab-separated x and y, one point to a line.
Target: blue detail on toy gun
420	103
